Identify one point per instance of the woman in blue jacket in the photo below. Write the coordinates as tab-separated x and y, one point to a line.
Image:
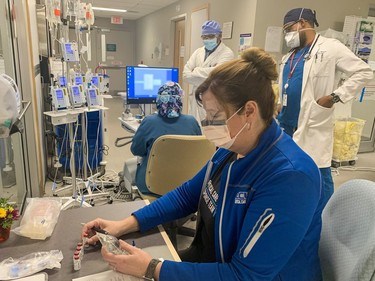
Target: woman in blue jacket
258	198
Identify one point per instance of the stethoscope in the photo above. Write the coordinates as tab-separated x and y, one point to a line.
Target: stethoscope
308	55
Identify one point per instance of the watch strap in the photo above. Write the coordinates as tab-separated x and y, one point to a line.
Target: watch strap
149	275
335	98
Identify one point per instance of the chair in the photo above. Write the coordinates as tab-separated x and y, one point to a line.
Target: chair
173	160
347	244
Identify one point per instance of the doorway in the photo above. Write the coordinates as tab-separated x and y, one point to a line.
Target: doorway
179	55
179	48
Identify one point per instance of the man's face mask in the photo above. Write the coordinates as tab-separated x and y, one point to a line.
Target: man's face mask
292	39
210	44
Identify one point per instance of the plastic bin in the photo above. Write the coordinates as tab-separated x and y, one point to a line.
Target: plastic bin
346	140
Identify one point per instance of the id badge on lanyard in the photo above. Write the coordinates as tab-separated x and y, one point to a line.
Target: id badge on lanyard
285	99
285	96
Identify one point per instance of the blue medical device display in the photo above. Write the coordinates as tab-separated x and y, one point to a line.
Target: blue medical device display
62	81
60	98
59	95
143	83
78	80
95	81
77	95
92	97
70	51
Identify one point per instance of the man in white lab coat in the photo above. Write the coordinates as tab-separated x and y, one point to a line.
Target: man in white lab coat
309	88
204	59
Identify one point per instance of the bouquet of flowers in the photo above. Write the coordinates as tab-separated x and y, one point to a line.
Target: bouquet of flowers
8	213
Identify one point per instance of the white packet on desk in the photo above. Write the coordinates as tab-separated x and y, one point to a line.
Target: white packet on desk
32	263
40	218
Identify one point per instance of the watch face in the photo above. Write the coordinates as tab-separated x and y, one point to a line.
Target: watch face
335	98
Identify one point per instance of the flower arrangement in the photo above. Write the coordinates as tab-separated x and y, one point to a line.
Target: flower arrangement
8	213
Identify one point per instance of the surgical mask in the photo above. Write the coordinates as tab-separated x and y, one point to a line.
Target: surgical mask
220	134
292	39
210	44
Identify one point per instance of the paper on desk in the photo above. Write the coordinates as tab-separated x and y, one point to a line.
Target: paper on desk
109	275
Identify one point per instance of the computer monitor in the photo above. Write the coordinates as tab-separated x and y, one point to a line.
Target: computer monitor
143	83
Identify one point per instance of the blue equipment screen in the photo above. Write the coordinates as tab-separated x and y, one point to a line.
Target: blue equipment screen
95	81
76	91
68	48
62	81
92	94
79	80
143	83
59	94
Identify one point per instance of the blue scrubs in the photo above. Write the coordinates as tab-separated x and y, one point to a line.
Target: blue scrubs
292	76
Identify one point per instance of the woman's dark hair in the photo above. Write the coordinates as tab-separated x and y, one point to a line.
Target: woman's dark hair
248	78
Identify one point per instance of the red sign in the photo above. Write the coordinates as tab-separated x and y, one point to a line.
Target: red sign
116	20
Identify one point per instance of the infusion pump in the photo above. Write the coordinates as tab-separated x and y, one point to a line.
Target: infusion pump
70	51
78	98
92	96
60	98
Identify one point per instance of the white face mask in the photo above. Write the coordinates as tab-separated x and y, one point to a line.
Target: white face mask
292	39
220	134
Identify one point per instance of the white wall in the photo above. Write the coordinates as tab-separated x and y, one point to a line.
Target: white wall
123	36
157	27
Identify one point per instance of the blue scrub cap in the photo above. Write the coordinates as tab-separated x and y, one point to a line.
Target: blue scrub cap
169	100
300	13
211	27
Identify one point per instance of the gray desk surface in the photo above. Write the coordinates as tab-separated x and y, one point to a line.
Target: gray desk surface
66	235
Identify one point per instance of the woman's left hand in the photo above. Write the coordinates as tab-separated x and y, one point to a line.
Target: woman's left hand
134	263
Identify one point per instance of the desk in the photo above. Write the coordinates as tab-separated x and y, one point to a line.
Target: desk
129	125
66	235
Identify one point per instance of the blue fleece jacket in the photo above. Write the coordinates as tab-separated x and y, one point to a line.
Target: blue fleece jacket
268	217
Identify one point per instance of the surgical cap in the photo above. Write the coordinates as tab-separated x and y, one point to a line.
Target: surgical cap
211	27
169	100
300	13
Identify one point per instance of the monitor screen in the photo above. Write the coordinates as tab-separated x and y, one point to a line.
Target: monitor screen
92	93
59	94
68	48
62	81
143	83
76	91
79	80
95	81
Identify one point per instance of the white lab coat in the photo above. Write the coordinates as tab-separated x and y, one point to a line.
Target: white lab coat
197	69
322	72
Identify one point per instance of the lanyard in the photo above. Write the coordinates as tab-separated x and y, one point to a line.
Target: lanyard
292	68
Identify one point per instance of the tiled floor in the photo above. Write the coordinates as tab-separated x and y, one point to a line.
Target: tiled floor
117	156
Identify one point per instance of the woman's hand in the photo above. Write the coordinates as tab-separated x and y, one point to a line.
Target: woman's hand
115	228
134	263
112	227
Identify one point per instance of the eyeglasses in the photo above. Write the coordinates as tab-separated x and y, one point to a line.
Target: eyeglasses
208	36
288	28
214	118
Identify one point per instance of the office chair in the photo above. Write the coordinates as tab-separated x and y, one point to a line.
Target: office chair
347	244
173	160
